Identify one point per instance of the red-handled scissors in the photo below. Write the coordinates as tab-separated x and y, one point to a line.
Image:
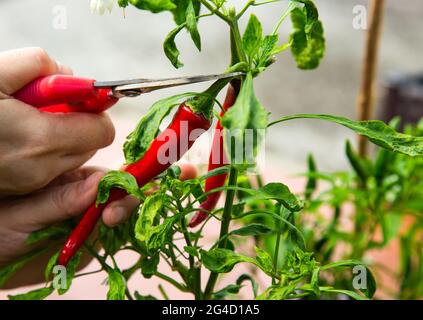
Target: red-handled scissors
63	93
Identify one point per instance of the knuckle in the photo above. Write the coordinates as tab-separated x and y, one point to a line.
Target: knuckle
40	141
58	199
108	131
43	59
32	182
61	199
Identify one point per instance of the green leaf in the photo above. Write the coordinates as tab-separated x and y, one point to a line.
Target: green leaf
264	261
156	236
222	260
218	3
371	282
229	289
253	229
70	272
191	23
117	179
123	3
170	48
180	12
192	251
149	265
117	285
349	293
148	212
314	282
268	48
38	294
112	239
312	179
391	224
50	265
215	172
376	131
246	277
281	193
247	115
155	6
252	37
138	142
357	163
307	38
342	263
8	271
50	233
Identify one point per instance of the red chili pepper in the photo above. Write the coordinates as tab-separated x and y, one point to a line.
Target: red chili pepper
217	159
147	168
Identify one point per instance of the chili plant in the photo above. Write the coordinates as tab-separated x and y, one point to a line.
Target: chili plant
383	192
159	230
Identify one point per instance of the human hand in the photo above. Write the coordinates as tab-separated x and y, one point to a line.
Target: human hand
36	147
64	198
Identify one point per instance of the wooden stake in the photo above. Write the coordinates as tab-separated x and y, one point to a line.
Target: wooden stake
365	102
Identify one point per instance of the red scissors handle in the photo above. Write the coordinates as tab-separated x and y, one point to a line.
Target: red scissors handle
64	94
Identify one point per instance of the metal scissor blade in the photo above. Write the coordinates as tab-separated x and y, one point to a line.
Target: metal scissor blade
139	86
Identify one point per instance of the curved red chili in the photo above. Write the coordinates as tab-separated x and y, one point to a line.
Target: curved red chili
184	122
217	159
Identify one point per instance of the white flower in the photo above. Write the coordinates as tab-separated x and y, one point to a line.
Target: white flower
100	6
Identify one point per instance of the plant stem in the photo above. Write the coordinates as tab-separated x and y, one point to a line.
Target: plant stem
163	292
365	99
197	283
224	227
237	42
99	258
291	7
171	281
241	13
128	294
277	245
214	10
186	235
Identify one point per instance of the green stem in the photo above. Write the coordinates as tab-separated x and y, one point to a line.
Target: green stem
171	281
163	292
224	227
186	235
276	253
214	10
256	4
99	258
197	283
291	7
241	13
128	294
237	42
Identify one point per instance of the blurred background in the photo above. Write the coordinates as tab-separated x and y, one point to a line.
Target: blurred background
115	46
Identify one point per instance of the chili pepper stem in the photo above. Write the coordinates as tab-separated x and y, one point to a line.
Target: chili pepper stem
277	245
224	227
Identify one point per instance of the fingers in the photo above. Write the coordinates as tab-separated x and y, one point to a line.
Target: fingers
75	175
78	133
188	171
21	66
55	204
119	211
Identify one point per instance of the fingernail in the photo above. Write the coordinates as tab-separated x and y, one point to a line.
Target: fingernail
119	216
91	182
63	69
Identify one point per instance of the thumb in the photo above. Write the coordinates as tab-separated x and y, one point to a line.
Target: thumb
56	204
